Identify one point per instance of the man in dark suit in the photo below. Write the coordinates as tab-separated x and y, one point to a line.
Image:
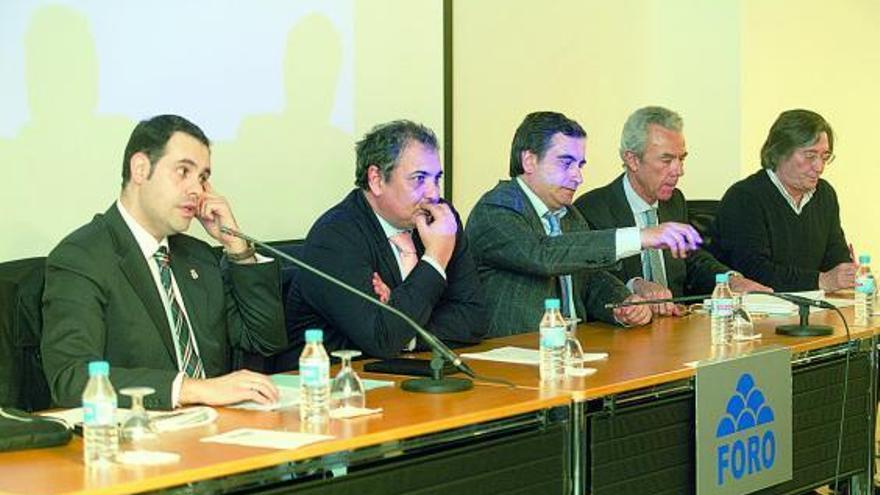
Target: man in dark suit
394	237
163	308
653	150
531	244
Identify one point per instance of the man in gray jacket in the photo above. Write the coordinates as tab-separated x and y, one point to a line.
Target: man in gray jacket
530	244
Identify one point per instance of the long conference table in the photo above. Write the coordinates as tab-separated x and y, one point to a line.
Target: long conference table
627	428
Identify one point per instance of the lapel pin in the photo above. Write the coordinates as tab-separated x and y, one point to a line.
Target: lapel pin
193	273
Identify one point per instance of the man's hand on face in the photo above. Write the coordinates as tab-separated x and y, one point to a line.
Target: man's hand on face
633	316
215	211
438	234
678	238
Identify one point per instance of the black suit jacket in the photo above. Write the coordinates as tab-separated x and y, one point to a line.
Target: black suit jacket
607	208
348	243
101	303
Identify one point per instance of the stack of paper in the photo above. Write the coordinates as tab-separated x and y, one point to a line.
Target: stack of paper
519	355
763	303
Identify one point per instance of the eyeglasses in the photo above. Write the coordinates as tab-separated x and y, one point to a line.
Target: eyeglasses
814	157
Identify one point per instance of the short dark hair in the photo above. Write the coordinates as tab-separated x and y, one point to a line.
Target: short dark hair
793	129
535	134
384	143
150	136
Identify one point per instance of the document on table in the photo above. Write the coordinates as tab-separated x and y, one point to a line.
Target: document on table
288	386
519	355
163	421
771	305
267	439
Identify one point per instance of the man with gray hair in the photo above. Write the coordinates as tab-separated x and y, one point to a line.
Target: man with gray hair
392	236
781	225
653	151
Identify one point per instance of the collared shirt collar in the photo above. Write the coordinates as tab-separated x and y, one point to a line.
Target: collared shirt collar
798	208
148	244
636	203
539	206
389	230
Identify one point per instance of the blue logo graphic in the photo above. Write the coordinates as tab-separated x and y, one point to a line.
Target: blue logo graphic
745	454
745	409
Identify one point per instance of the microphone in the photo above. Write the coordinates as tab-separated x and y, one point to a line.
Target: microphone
803	327
437	383
680	299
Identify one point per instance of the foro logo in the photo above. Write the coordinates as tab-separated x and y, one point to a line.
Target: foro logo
745	450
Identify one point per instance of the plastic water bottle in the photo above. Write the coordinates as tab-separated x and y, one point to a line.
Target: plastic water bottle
314	384
552	345
100	431
865	291
722	311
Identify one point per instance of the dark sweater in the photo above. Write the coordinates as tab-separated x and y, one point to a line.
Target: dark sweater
759	234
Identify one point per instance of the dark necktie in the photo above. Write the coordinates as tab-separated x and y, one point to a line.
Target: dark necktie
564	280
190	362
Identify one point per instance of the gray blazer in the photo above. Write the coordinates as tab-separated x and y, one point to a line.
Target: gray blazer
519	263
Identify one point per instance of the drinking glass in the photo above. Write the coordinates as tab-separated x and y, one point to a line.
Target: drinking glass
572	353
347	390
137	427
743	327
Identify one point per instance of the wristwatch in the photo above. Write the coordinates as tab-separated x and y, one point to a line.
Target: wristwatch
247	254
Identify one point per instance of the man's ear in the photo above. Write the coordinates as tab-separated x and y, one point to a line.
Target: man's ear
529	161
631	161
375	181
139	167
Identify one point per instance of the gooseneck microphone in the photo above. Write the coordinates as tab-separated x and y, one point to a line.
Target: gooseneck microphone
681	299
802	328
436	384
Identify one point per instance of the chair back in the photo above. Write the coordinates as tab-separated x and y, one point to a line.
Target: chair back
22	382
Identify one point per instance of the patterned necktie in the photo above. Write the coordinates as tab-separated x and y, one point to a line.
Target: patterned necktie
190	362
655	272
407	250
564	280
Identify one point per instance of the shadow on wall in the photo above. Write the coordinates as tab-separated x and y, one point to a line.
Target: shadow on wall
40	182
307	147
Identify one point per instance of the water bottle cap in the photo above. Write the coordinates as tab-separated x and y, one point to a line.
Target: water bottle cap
99	368
721	278
314	335
551	303
864	259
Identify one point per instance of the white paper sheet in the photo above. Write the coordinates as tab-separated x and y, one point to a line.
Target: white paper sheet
268	439
519	355
763	303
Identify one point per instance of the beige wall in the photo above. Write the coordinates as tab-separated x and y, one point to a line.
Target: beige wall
728	66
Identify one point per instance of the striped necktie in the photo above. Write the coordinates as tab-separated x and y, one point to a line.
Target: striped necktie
190	362
564	280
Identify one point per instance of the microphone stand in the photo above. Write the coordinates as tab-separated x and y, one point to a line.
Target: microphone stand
803	327
437	384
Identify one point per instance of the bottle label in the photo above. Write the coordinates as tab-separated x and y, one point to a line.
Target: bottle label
722	307
552	336
865	285
100	413
315	373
